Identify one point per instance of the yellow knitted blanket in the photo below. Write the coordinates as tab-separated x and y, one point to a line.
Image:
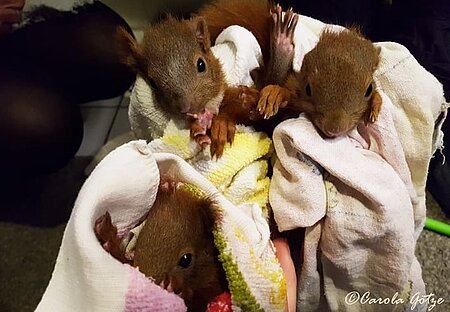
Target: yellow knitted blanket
240	174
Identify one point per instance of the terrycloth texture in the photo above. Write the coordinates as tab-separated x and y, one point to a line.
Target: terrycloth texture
238	52
363	205
417	101
366	228
417	95
86	278
241	173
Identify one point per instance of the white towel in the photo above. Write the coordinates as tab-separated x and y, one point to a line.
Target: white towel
87	278
417	95
363	201
363	210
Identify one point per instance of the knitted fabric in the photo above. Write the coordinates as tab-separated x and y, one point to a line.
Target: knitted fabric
240	174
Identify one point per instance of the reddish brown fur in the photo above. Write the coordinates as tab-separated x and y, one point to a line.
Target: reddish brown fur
177	224
338	73
167	56
253	15
167	59
239	106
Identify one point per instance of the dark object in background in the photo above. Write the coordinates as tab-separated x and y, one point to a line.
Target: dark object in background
59	60
426	33
420	25
363	13
48	68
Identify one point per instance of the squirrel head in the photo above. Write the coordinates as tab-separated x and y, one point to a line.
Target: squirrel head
176	61
176	245
335	84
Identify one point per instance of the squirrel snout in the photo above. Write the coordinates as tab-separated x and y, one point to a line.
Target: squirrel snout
335	132
185	108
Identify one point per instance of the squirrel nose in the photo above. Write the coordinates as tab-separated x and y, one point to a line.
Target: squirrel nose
185	107
335	132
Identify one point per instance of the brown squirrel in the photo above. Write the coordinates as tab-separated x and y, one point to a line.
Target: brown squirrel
176	61
176	245
335	86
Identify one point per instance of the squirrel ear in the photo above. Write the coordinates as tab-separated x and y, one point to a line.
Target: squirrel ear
374	108
201	33
129	51
378	52
211	214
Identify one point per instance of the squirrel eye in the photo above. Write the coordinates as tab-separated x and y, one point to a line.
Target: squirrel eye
368	91
201	65
185	260
308	90
153	84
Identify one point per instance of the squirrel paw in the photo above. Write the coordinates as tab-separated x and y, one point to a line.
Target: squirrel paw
167	183
199	124
198	133
375	108
249	98
282	36
106	233
272	98
203	140
222	131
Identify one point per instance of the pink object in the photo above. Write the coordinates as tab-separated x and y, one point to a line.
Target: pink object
203	119
145	296
283	254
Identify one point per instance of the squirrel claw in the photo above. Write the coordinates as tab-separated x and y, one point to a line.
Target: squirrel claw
272	98
375	107
169	287
167	184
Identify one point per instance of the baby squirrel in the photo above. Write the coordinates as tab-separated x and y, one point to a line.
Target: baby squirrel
176	61
335	86
176	245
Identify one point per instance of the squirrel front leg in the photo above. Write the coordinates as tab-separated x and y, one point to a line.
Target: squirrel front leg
238	106
106	233
198	133
281	45
273	96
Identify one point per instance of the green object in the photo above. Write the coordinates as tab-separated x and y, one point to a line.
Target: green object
437	226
